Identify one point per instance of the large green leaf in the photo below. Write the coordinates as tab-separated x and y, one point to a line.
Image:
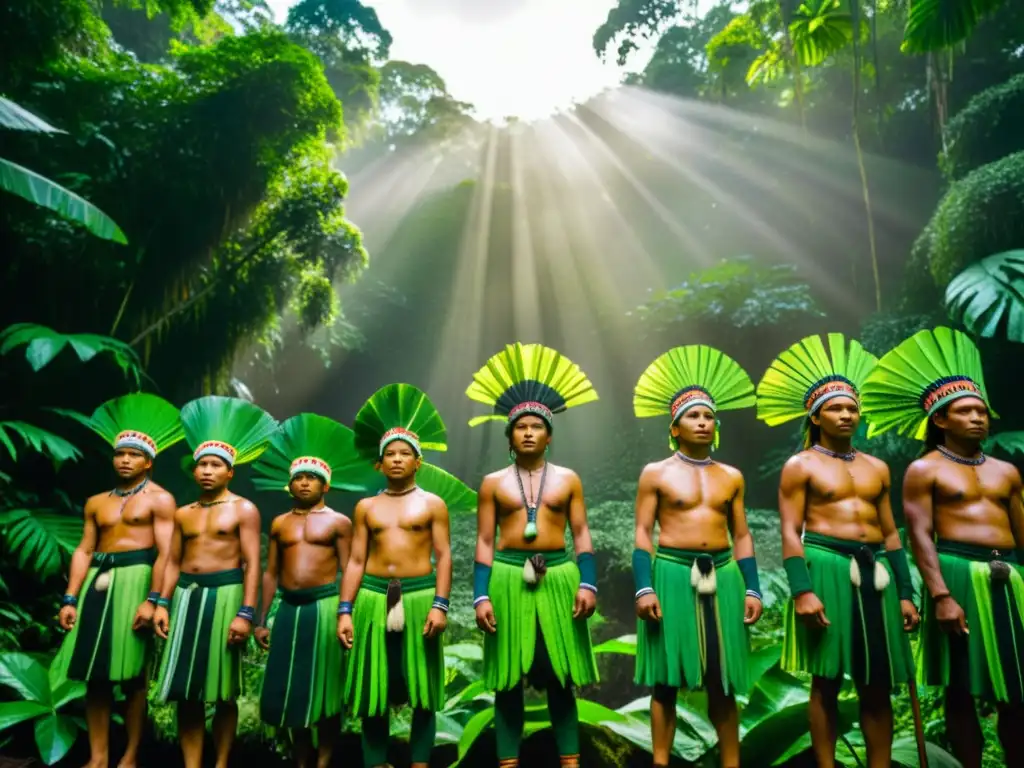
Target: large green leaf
14	712
625	645
1009	442
55	735
989	295
17	118
934	25
26	675
695	735
39	440
39	540
820	29
904	752
37	189
44	344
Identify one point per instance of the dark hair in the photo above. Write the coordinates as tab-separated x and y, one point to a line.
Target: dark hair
935	435
812	432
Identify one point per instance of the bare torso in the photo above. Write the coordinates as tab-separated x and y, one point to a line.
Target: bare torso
843	496
400	535
126	523
210	538
694	503
972	504
308	547
552	508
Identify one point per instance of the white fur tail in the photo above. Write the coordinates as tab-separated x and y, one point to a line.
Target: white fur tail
881	577
529	572
101	582
396	617
855	572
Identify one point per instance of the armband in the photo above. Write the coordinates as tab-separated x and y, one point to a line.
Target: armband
642	573
69	600
163	602
588	571
748	567
901	571
441	603
153	597
481	582
798	575
344	608
246	612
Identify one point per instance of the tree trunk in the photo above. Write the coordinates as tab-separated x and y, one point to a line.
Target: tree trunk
794	64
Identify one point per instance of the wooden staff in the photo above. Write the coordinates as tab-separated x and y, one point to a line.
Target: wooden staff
915	706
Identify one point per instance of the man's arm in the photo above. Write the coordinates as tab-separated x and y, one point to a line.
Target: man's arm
163	531
646	510
269	585
792	511
442	549
357	556
893	546
578	518
742	541
343	541
81	558
919	509
249	543
174	553
486	523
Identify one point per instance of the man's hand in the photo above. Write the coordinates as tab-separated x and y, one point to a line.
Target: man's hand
951	616
67	617
262	635
436	622
648	608
810	610
161	621
144	615
752	609
586	604
345	630
910	616
239	630
485	617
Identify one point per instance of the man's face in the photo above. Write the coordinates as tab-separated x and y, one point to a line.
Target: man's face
399	461
307	488
695	427
212	473
130	463
838	417
965	419
529	435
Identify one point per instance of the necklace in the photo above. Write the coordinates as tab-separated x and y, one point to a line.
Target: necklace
956	457
208	504
406	492
694	462
846	456
530	532
131	491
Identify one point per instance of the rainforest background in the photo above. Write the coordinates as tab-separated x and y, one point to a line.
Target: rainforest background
278	210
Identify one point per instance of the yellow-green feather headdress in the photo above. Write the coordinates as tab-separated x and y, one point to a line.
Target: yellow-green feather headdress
688	376
918	377
398	412
317	445
232	429
457	496
141	421
529	379
808	375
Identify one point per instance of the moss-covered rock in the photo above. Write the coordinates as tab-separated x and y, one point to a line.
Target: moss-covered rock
984	131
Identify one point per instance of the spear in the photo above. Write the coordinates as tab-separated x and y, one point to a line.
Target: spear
915	705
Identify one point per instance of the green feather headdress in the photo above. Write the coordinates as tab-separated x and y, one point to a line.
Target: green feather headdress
232	429
688	376
458	496
529	378
918	377
807	375
315	444
141	421
398	412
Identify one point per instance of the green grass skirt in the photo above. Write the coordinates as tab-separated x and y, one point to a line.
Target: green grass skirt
198	664
864	641
519	610
102	646
302	683
989	661
392	668
694	630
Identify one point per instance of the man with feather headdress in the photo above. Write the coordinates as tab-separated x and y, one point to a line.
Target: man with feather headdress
125	542
208	601
966	521
394	594
308	546
531	600
851	603
695	594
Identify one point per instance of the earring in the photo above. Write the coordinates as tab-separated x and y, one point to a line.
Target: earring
511	456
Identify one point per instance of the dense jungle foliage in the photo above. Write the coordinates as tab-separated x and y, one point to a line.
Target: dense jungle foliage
198	198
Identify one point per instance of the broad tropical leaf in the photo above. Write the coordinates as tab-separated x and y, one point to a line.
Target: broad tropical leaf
1008	442
17	118
55	735
934	25
44	344
14	712
625	645
39	540
819	29
904	752
41	191
38	439
26	675
989	295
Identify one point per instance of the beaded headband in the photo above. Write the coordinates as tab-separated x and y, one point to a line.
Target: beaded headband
400	433
827	389
140	441
689	398
530	407
312	465
945	391
216	448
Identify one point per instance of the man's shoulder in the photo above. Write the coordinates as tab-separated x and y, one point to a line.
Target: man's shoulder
161	495
733	472
874	461
564	472
1007	468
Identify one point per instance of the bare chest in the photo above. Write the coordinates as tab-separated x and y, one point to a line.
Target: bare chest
837	480
517	493
313	528
682	488
956	484
217	522
128	510
390	513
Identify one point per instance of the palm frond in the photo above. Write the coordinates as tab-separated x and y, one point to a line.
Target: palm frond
989	295
39	440
39	540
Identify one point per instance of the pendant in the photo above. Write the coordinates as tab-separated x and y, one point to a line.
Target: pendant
530	532
101	582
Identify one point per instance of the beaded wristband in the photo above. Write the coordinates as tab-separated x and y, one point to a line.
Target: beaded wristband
755	594
643	592
246	612
344	608
441	603
163	602
481	599
153	598
69	600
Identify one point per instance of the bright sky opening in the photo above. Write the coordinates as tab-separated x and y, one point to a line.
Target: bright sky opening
522	58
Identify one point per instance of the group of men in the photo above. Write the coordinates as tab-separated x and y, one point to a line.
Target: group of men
193	573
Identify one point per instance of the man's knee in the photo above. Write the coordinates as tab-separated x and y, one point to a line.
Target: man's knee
826	687
664	694
875	697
